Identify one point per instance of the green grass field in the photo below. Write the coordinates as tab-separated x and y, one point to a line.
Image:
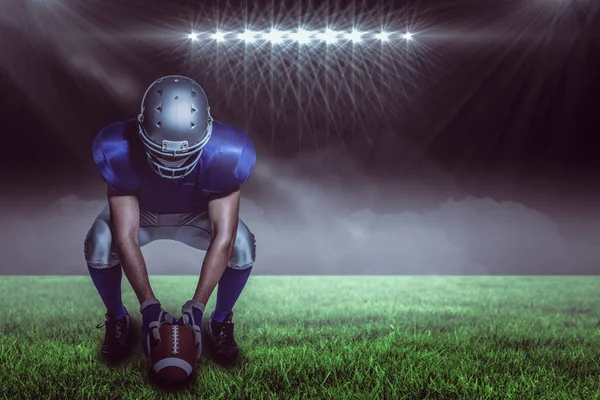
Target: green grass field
325	338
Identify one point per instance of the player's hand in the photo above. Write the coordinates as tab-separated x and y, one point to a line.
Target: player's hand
191	315
153	316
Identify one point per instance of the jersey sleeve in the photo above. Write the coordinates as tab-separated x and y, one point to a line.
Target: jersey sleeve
110	160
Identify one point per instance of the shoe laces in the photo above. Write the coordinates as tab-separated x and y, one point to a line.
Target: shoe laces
224	334
115	329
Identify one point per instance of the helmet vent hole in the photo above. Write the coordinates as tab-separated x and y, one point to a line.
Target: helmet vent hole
158	124
193	110
159	92
176	97
193	125
194	93
159	108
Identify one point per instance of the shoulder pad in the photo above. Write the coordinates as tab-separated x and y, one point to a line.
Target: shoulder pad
230	159
113	159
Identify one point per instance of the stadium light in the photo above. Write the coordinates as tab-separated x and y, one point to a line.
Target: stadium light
218	36
355	36
274	36
329	36
383	36
248	36
301	36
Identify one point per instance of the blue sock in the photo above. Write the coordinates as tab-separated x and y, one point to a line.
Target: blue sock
231	284
108	284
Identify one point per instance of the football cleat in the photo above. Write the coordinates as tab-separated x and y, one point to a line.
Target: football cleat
116	337
222	342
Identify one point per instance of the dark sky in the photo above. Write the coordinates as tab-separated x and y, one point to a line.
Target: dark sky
487	121
511	87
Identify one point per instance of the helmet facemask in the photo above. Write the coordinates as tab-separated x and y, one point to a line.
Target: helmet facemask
174	160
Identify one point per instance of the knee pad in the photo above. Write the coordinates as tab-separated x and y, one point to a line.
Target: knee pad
98	246
243	254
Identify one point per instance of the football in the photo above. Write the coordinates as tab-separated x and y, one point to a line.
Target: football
173	359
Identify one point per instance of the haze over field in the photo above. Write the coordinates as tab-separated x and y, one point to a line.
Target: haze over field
308	223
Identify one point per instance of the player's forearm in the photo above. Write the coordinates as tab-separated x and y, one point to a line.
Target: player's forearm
214	265
134	266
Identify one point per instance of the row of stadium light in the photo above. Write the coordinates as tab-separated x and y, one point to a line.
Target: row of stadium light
301	36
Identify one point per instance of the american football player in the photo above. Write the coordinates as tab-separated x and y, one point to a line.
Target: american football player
171	173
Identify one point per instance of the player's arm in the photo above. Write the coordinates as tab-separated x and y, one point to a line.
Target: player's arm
223	213
125	218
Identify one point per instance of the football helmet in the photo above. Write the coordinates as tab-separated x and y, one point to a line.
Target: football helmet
174	124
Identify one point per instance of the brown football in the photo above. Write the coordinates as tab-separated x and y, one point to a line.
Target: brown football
173	359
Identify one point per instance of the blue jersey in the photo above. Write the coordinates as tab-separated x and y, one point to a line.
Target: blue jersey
226	162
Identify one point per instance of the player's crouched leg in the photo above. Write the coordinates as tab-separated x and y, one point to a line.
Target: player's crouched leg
243	254
106	273
224	348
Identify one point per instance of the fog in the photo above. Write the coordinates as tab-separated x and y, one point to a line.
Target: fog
308	223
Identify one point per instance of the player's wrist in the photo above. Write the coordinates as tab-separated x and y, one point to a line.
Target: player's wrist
148	303
196	304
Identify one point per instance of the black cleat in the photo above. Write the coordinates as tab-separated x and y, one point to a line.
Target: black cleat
220	336
116	338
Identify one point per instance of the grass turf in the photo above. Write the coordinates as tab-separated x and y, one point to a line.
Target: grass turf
325	338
